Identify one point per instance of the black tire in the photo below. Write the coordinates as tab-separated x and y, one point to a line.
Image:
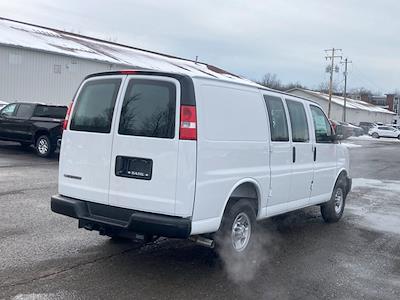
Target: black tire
240	211
332	210
375	135
398	137
43	146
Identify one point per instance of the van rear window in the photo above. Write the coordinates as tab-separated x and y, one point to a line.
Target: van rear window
149	109
94	107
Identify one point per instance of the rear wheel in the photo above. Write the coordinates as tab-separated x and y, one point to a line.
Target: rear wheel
43	146
332	210
375	135
235	236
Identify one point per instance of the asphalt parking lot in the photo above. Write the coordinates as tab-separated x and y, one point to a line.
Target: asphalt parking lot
45	256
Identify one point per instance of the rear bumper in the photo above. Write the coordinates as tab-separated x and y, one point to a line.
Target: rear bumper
106	218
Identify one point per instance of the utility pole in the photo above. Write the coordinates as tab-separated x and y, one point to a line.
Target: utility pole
332	58
346	61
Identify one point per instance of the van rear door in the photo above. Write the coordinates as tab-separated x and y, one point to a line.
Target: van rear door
144	157
84	170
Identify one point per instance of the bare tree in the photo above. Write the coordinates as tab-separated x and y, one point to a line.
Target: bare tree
292	85
271	81
323	87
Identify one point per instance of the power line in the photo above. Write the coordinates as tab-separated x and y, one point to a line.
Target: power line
345	62
363	78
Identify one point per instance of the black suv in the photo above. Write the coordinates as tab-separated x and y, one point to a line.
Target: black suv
35	124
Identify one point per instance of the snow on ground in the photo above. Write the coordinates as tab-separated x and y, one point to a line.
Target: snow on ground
389	185
369	138
375	204
58	295
350	145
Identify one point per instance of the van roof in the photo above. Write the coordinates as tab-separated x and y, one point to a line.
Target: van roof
180	77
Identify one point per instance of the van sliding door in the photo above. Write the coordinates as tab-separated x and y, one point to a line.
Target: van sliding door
280	156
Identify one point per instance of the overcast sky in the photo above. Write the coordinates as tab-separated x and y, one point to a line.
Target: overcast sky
249	38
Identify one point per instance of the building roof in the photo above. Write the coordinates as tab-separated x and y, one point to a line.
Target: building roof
350	103
30	36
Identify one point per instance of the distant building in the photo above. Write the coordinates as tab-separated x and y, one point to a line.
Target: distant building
39	64
388	101
356	110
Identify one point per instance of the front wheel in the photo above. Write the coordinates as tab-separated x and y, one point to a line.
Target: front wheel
332	210
235	236
375	135
43	146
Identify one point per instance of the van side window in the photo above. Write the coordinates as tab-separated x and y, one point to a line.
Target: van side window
149	109
323	129
298	120
277	119
94	107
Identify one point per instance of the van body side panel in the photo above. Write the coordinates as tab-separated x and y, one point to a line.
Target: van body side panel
232	145
186	178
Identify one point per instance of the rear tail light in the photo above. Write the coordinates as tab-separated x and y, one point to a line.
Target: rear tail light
65	124
188	123
127	72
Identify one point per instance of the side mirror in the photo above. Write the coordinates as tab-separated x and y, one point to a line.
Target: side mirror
337	137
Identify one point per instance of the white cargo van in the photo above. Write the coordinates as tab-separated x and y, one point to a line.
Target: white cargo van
162	154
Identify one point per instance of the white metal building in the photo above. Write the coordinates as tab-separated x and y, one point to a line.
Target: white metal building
356	110
39	64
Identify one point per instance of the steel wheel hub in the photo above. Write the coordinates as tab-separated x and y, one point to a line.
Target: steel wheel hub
43	146
241	232
338	200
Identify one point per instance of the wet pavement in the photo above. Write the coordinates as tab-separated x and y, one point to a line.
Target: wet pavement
45	256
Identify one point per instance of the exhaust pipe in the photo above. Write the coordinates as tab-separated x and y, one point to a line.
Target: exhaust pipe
203	241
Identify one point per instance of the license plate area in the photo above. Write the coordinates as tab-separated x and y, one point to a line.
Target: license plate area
134	167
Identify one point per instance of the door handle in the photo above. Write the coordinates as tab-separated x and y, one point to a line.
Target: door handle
294	154
315	153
